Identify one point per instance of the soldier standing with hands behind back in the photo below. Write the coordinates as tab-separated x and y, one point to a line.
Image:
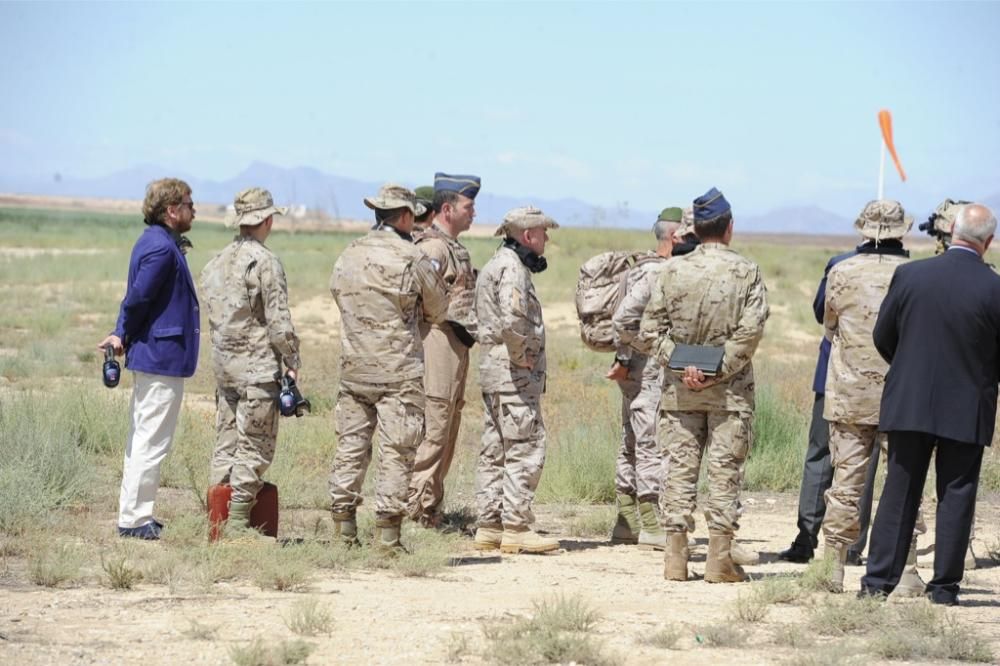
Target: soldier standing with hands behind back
246	295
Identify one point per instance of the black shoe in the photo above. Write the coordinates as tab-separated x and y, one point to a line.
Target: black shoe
147	532
797	552
943	599
853	559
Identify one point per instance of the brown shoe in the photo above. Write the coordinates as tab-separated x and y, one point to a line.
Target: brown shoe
675	561
719	565
488	537
526	540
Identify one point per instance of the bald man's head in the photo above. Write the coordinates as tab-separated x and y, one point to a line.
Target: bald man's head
974	223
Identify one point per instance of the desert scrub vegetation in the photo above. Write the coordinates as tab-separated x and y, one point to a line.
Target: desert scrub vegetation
259	653
309	617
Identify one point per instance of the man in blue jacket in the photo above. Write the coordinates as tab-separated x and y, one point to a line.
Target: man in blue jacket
157	330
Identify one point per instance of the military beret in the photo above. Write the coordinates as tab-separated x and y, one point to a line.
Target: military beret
464	185
251	207
392	196
710	206
425	195
882	219
672	214
525	217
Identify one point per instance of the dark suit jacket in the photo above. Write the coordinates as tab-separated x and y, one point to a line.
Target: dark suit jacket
159	320
939	329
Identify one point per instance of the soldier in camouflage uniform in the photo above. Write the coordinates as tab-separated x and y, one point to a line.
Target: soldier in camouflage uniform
244	290
639	468
446	346
512	376
856	374
715	297
382	285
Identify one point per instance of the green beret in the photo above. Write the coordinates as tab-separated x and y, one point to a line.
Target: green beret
672	214
425	192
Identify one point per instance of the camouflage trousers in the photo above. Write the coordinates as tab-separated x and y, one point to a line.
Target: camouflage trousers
639	467
397	411
444	383
851	448
510	460
246	426
686	436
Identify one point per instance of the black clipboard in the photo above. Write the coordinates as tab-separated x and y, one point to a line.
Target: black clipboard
705	358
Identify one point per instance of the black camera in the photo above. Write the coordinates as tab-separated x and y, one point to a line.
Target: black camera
290	400
111	373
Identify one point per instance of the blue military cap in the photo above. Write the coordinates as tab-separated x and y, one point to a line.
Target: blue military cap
710	205
465	185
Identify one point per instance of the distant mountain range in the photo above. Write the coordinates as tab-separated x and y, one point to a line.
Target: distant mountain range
342	197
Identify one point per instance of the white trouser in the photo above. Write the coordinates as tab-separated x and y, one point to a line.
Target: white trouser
156	404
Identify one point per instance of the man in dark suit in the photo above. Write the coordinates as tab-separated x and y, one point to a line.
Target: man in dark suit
945	400
158	331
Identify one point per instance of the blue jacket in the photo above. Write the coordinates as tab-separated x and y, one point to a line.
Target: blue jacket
159	321
819	309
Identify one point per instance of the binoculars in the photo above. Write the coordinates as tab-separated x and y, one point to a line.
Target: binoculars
111	373
290	400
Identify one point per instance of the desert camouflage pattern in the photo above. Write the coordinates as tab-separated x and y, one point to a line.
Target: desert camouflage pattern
383	286
883	219
522	218
396	410
511	330
724	438
246	425
855	288
510	461
712	296
639	467
244	289
251	207
454	266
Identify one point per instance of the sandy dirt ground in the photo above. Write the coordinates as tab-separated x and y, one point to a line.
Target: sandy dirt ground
384	618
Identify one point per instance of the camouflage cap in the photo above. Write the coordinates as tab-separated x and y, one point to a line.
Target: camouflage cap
251	207
671	214
392	196
883	218
687	223
524	217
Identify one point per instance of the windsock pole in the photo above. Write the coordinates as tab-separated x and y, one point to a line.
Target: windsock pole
881	170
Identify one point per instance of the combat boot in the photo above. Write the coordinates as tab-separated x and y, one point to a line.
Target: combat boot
525	540
626	529
488	537
345	529
743	556
719	565
238	523
835	557
651	534
386	539
675	560
910	583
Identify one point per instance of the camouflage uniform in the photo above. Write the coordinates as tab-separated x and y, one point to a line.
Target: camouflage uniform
856	373
245	292
382	283
446	359
512	376
639	468
712	296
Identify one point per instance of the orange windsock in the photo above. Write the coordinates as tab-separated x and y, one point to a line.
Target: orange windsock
885	122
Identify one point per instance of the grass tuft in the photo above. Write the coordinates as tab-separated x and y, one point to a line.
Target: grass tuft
725	635
664	638
55	565
307	617
119	571
199	631
257	653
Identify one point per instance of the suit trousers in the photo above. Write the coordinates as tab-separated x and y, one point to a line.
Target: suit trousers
156	404
957	466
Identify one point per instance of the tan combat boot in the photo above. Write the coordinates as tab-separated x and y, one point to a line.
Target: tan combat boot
525	540
626	529
675	560
651	534
835	557
488	537
910	583
386	537
345	529
238	523
743	556
719	565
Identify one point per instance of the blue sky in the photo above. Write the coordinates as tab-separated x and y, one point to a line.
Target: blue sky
645	103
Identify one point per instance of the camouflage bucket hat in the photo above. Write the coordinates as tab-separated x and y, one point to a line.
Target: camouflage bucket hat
251	207
883	219
525	217
687	223
395	196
